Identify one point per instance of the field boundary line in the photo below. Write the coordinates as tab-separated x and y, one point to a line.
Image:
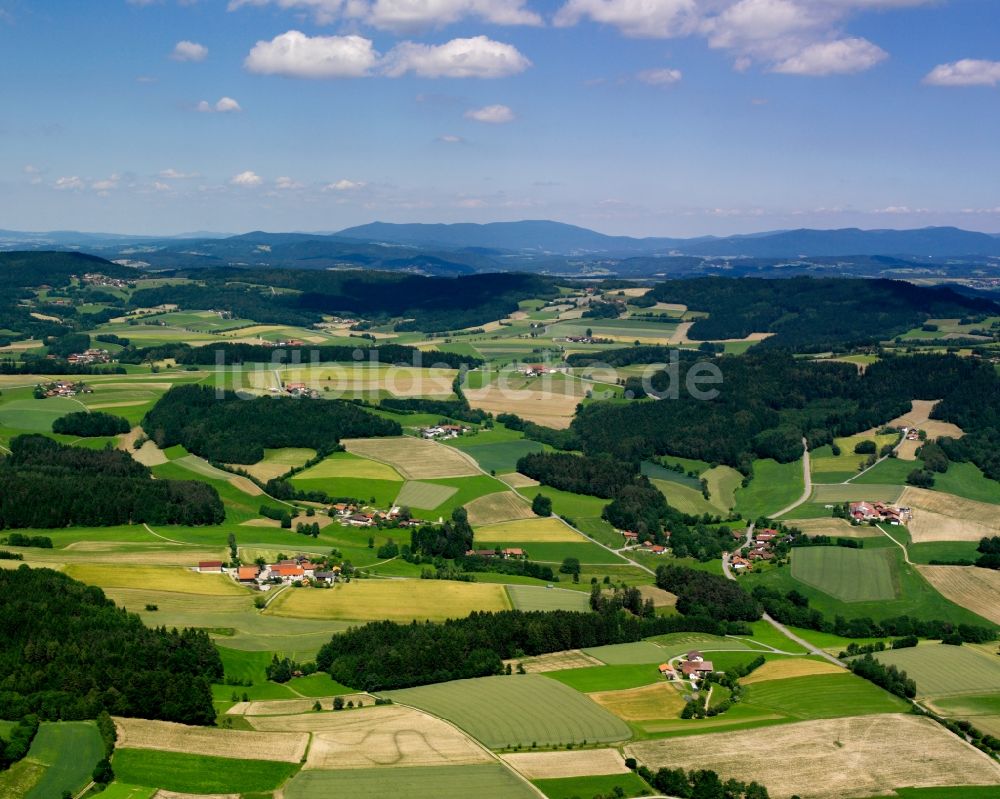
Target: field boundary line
170	540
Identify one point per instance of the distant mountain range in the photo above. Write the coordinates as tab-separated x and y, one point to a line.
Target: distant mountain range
543	246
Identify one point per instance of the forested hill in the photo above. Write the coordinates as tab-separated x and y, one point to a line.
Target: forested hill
814	314
68	653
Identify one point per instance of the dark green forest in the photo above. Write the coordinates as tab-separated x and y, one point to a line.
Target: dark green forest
88	424
68	652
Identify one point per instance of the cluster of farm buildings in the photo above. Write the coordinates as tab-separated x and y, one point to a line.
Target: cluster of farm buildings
761	548
632	539
878	512
350	515
444	431
60	388
97	279
284	572
694	668
89	356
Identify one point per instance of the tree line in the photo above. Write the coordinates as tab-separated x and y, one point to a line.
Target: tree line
90	424
702	594
94	488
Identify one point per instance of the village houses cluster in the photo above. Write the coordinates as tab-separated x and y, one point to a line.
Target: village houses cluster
761	548
89	356
61	388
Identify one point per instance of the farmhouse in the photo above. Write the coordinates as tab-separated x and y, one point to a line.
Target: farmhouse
247	574
360	520
878	511
696	669
695	656
444	431
210	566
668	671
630	537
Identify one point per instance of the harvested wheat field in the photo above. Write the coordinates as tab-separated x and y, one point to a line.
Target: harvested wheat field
533	530
286	707
320	519
557	661
831	759
414	458
246	485
503	506
907	450
148	455
661	598
165	736
161	578
518	480
790	667
919	417
557	765
945	517
973	588
552	408
161	554
389	735
835	527
657	701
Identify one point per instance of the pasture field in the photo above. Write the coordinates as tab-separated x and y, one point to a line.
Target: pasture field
855	492
962	479
380	492
943	551
556	765
67	752
973	588
533	530
393	600
18	780
373	737
492	781
277	462
788	668
198	774
121	790
428	496
686	499
822	696
414	458
552	408
503	506
626	654
500	456
557	661
940	670
945	517
648	703
155	578
723	481
674	644
463	491
591	678
36	416
831	759
774	486
572	787
536	597
344	464
166	736
520	710
850	575
981	710
829	468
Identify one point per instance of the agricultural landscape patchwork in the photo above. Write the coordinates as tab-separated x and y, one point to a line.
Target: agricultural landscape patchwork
379	549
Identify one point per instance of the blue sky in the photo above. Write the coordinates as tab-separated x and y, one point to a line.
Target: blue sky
642	117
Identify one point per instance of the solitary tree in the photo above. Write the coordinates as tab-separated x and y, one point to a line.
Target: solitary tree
541	505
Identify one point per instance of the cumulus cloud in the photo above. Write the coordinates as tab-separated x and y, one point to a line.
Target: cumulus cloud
286	184
107	184
407	15
450	138
70	183
248	178
175	174
967	72
640	18
344	185
491	114
841	57
295	55
225	105
660	77
189	51
478	57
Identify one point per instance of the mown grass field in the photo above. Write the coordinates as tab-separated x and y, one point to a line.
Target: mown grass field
644	704
492	781
627	654
829	468
774	486
962	479
499	507
68	751
416	494
822	696
414	458
850	575
607	678
394	600
157	578
532	530
345	464
122	790
499	456
277	462
533	597
575	787
517	710
199	773
940	670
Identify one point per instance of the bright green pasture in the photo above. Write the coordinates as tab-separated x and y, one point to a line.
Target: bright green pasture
381	492
492	781
856	492
69	750
943	551
942	670
517	710
121	790
575	787
607	678
822	696
850	575
829	468
199	773
36	416
962	479
622	654
674	644
533	597
774	486
347	464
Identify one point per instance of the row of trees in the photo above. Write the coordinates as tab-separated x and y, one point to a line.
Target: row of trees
94	488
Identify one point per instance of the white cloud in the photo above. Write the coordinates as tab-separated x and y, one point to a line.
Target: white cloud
189	51
406	15
967	72
478	57
174	174
107	184
344	185
660	77
73	183
295	55
640	18
841	57
225	105
34	174
450	138
160	186
286	184
247	178
491	114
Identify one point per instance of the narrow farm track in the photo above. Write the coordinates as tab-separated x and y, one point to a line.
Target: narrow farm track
151	531
807	481
906	554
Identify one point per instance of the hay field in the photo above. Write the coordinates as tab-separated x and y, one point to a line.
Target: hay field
500	507
525	709
907	450
277	462
552	408
852	492
344	464
360	378
486	781
414	458
153	554
557	661
919	417
940	670
392	600
789	668
850	575
557	765
424	495
285	707
518	480
970	587
537	597
390	735
148	455
661	598
531	530
831	759
165	736
651	702
836	528
162	578
945	517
